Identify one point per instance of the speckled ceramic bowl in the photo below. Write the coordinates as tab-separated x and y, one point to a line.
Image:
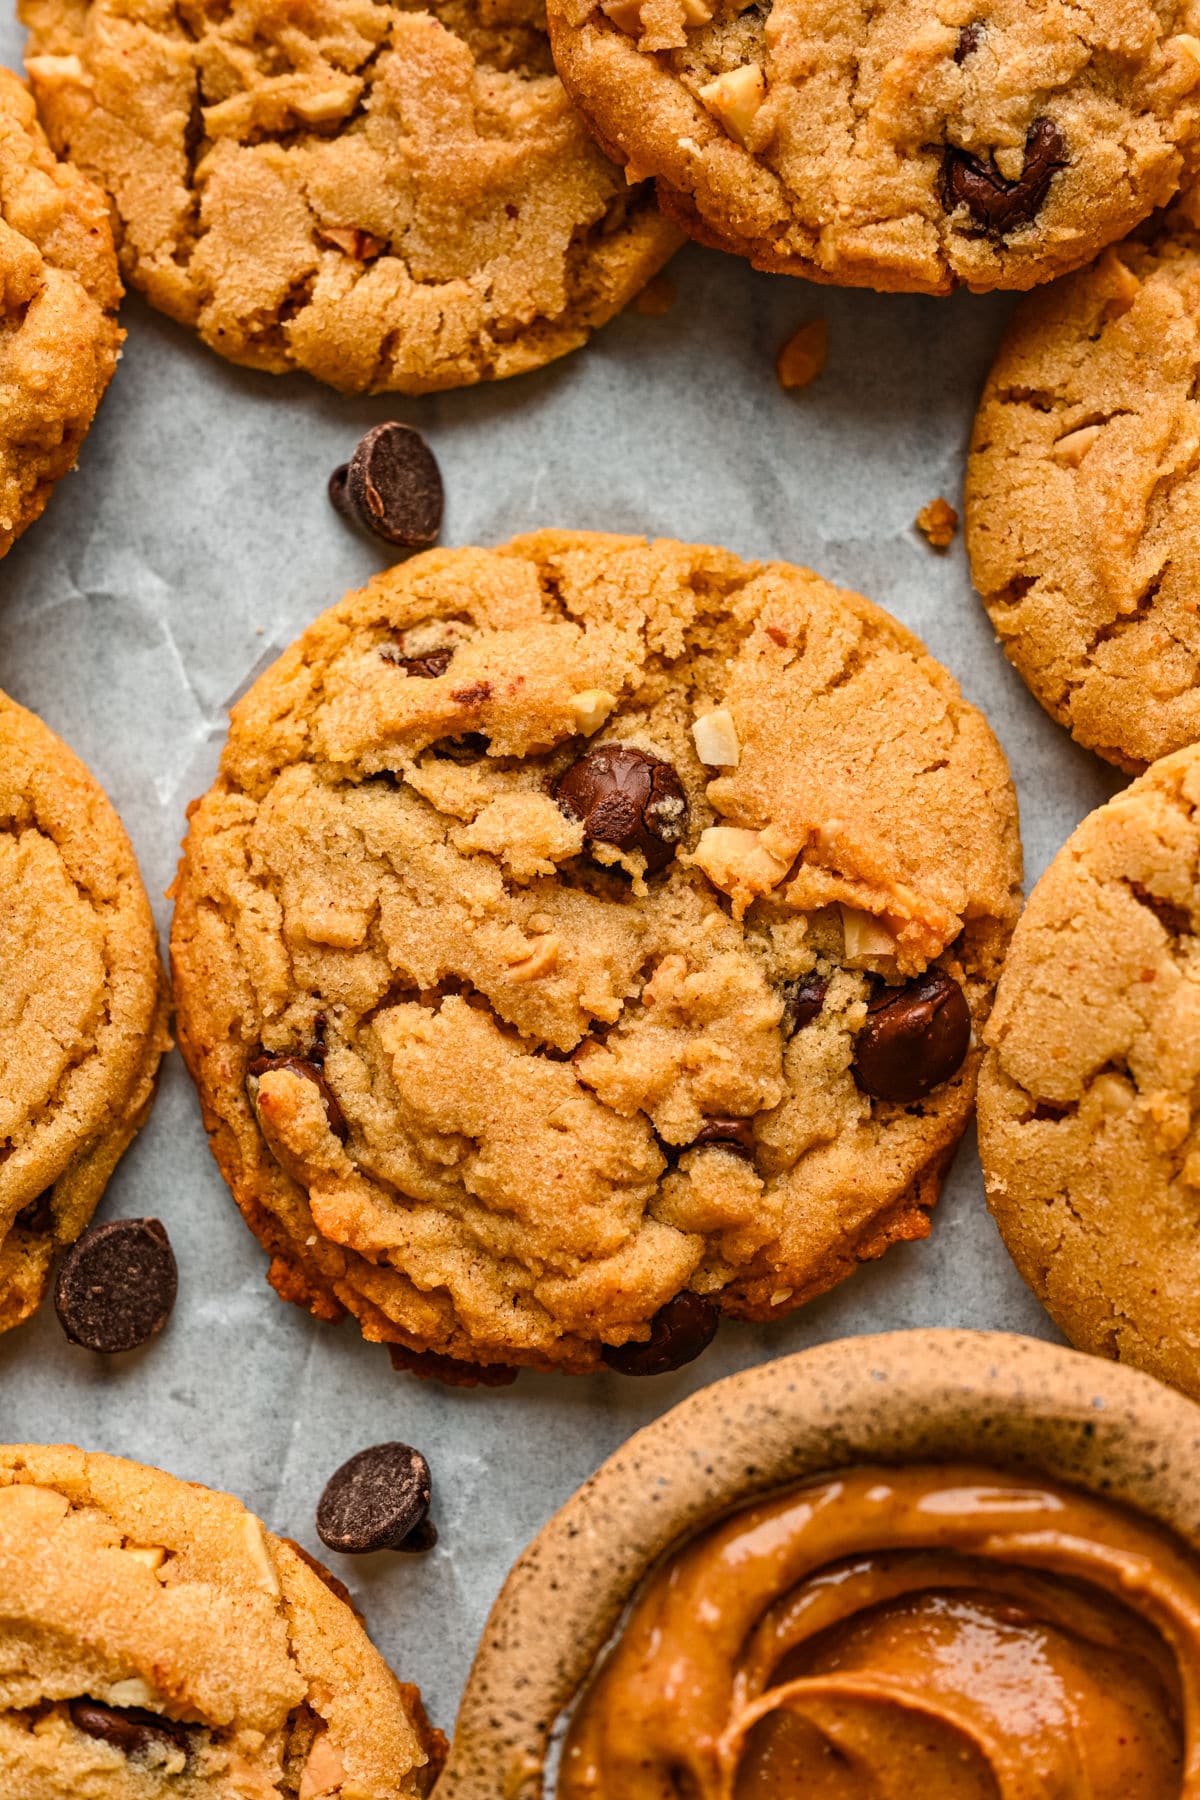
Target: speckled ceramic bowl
909	1396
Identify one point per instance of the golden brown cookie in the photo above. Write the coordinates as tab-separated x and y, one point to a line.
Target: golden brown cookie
1083	501
390	197
157	1640
583	939
1088	1124
83	1002
59	293
1048	1631
990	143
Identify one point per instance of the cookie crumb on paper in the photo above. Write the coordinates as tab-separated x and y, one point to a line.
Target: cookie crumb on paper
804	355
939	522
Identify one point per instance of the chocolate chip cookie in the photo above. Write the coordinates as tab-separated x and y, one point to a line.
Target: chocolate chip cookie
992	145
59	293
387	196
1083	498
583	939
83	1002
156	1640
1088	1125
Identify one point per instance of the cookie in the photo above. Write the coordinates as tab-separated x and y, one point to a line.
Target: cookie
158	1640
583	939
1083	499
59	293
83	1002
389	197
1127	1453
992	144
1088	1131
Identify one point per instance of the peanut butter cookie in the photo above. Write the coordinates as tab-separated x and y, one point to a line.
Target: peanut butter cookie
59	293
1088	1127
158	1641
83	1002
388	196
583	939
992	143
1083	497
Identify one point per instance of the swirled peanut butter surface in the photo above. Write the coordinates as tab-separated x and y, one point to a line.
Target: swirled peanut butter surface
951	1633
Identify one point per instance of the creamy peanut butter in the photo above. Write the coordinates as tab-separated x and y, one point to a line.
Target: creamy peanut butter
932	1633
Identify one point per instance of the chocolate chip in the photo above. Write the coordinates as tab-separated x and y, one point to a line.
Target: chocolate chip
802	1002
117	1285
626	798
424	668
915	1038
310	1067
392	486
679	1331
38	1216
969	40
129	1729
996	204
379	1500
734	1134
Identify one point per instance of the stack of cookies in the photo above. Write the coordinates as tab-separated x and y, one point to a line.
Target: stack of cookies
589	940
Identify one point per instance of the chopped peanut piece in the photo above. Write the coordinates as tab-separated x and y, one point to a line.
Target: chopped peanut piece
939	522
542	960
697	12
152	1555
626	15
591	708
1190	47
358	244
324	1772
735	97
255	1541
1072	449
804	355
1120	278
865	935
716	740
56	71
656	298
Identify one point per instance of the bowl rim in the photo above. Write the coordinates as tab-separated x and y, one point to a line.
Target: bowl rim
934	1395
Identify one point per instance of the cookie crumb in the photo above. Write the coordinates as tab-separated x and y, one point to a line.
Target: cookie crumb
939	522
804	355
656	298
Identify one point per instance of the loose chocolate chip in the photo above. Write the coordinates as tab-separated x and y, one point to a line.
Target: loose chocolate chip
427	667
378	1500
38	1216
915	1038
117	1285
626	798
392	486
969	40
310	1067
129	1729
802	1002
733	1134
679	1332
996	204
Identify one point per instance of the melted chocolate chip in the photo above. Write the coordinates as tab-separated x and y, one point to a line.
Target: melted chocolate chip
626	798
732	1134
310	1067
38	1216
994	203
379	1500
117	1285
915	1038
969	40
392	487
427	667
129	1729
679	1332
802	1002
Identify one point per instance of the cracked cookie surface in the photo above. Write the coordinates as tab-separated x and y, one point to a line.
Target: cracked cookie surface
1083	496
157	1641
894	146
388	197
513	1019
59	293
83	1002
1088	1129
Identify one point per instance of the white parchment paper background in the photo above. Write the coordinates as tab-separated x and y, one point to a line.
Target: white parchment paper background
193	544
